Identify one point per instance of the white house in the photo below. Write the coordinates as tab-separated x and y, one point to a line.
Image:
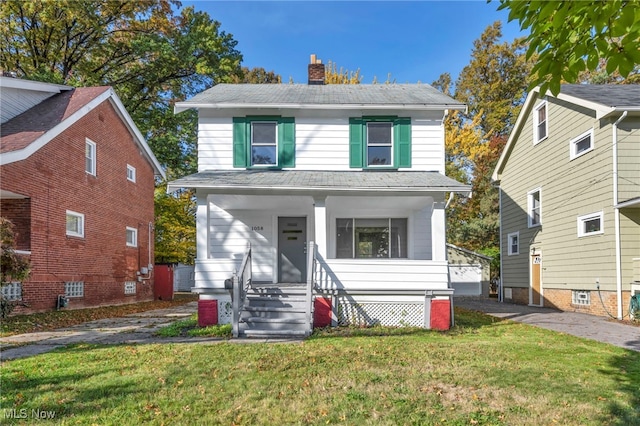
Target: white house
338	187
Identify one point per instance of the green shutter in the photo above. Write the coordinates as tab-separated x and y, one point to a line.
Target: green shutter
402	142
286	142
356	143
240	141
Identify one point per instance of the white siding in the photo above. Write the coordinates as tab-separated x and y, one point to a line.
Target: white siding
398	274
215	143
427	145
321	144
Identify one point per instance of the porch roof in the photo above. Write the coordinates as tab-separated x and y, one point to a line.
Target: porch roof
320	182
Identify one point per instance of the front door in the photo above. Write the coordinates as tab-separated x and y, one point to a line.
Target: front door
536	280
292	249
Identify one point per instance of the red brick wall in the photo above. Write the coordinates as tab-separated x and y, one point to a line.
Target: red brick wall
562	300
18	211
54	178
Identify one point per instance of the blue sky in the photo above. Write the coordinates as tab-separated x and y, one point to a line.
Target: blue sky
414	41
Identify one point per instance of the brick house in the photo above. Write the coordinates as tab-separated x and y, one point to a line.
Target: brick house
77	180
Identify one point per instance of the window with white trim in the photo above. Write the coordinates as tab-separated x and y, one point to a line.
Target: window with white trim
132	237
75	224
131	173
540	122
534	207
129	287
581	297
264	143
513	243
581	145
590	224
379	144
12	291
90	157
371	238
74	289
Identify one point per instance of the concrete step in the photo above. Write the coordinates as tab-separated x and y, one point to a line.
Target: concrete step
274	333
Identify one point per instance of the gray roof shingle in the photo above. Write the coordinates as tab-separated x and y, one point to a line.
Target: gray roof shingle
610	95
415	95
320	181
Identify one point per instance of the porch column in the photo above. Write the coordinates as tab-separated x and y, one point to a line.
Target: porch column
320	221
202	226
438	237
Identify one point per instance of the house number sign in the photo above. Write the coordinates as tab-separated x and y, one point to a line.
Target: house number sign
257	228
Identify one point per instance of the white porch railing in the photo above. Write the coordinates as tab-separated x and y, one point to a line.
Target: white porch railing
241	280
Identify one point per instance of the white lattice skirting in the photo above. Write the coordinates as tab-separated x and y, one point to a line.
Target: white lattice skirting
394	314
225	310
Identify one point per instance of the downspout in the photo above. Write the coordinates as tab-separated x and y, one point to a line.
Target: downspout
616	214
500	291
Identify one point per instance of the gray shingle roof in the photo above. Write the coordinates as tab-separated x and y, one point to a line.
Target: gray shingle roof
421	96
610	95
309	181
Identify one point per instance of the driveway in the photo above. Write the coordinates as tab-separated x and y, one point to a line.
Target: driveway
593	327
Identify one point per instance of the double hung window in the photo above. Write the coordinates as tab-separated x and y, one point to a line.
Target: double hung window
540	123
264	143
535	208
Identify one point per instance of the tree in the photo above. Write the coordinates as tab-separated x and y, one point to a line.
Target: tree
494	82
257	75
151	55
570	37
493	86
13	267
342	76
175	227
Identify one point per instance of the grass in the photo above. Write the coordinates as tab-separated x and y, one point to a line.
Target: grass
189	327
483	372
45	321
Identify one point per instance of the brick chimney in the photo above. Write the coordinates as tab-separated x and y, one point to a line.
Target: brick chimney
316	71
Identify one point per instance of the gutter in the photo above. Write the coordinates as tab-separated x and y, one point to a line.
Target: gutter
616	213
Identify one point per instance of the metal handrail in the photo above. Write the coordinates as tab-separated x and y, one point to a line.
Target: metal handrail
241	282
311	268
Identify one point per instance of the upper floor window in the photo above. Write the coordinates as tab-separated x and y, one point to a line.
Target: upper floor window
263	141
371	238
582	144
132	237
379	142
513	242
540	123
90	157
534	208
75	224
131	173
590	224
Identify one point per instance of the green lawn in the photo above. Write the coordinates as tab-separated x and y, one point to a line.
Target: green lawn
484	371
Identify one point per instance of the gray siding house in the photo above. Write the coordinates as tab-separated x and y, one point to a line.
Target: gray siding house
569	182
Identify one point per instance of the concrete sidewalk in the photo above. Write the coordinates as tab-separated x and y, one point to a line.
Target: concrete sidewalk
138	328
593	327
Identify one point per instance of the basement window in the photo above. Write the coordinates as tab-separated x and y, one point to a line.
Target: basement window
581	297
74	289
12	291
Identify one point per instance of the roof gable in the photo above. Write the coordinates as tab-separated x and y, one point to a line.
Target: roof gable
604	99
28	132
